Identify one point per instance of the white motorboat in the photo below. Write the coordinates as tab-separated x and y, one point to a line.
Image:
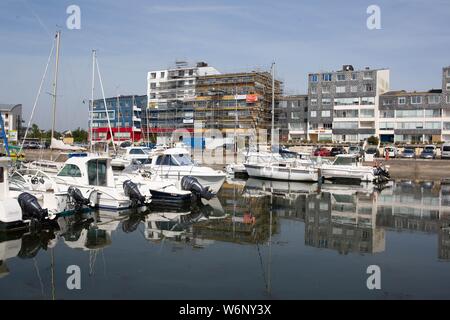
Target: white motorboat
274	166
131	154
347	166
19	209
94	173
176	163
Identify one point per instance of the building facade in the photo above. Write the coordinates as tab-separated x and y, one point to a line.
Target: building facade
125	113
171	97
235	102
416	117
12	119
343	105
291	118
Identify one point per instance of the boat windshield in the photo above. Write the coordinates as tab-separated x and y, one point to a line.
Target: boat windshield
70	170
344	161
183	159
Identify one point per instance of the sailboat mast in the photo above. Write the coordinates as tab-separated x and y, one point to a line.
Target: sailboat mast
92	99
273	106
55	84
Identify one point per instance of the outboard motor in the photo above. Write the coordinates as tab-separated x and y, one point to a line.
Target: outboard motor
77	197
132	191
190	183
31	207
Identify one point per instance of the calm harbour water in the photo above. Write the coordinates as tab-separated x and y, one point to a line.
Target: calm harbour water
258	240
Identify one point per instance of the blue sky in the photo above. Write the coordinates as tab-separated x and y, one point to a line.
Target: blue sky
135	36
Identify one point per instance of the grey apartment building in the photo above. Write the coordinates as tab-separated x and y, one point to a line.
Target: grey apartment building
416	117
343	105
291	118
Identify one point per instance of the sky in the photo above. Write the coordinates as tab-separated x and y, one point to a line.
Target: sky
133	37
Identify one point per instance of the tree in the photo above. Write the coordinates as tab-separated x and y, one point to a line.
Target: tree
80	135
35	132
373	141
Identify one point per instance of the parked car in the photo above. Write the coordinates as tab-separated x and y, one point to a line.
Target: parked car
391	151
429	152
374	151
337	150
356	150
408	153
445	151
322	152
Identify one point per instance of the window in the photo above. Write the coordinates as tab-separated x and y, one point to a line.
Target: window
346	113
409	113
410	125
153	85
387	125
163	74
432	125
326	101
354	76
368	75
354	89
341	77
191	72
326	113
368	87
340	89
325	89
387	102
401	100
153	75
314	126
152	95
434	99
314	78
446	125
70	170
295	115
346	101
433	113
327	125
327	77
448	99
448	73
366	113
137	151
368	100
313	114
345	125
416	99
387	114
448	86
314	90
313	102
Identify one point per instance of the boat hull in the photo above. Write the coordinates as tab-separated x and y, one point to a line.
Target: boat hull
282	173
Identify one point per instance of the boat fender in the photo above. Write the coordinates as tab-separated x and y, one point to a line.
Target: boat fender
77	197
31	207
190	183
132	191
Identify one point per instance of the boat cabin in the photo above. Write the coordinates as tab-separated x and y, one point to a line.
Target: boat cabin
92	171
346	160
173	157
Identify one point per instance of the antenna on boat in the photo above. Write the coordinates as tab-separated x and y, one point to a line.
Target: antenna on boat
272	136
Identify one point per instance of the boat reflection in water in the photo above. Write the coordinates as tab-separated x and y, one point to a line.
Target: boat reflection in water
354	218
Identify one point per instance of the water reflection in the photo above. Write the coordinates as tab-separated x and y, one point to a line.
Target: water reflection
346	219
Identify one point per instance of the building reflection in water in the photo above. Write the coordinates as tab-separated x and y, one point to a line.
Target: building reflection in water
344	218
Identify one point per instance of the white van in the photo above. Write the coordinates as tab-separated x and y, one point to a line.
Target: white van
445	151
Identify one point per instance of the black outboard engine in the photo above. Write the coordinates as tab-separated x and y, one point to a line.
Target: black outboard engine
190	183
77	197
382	175
31	207
132	191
